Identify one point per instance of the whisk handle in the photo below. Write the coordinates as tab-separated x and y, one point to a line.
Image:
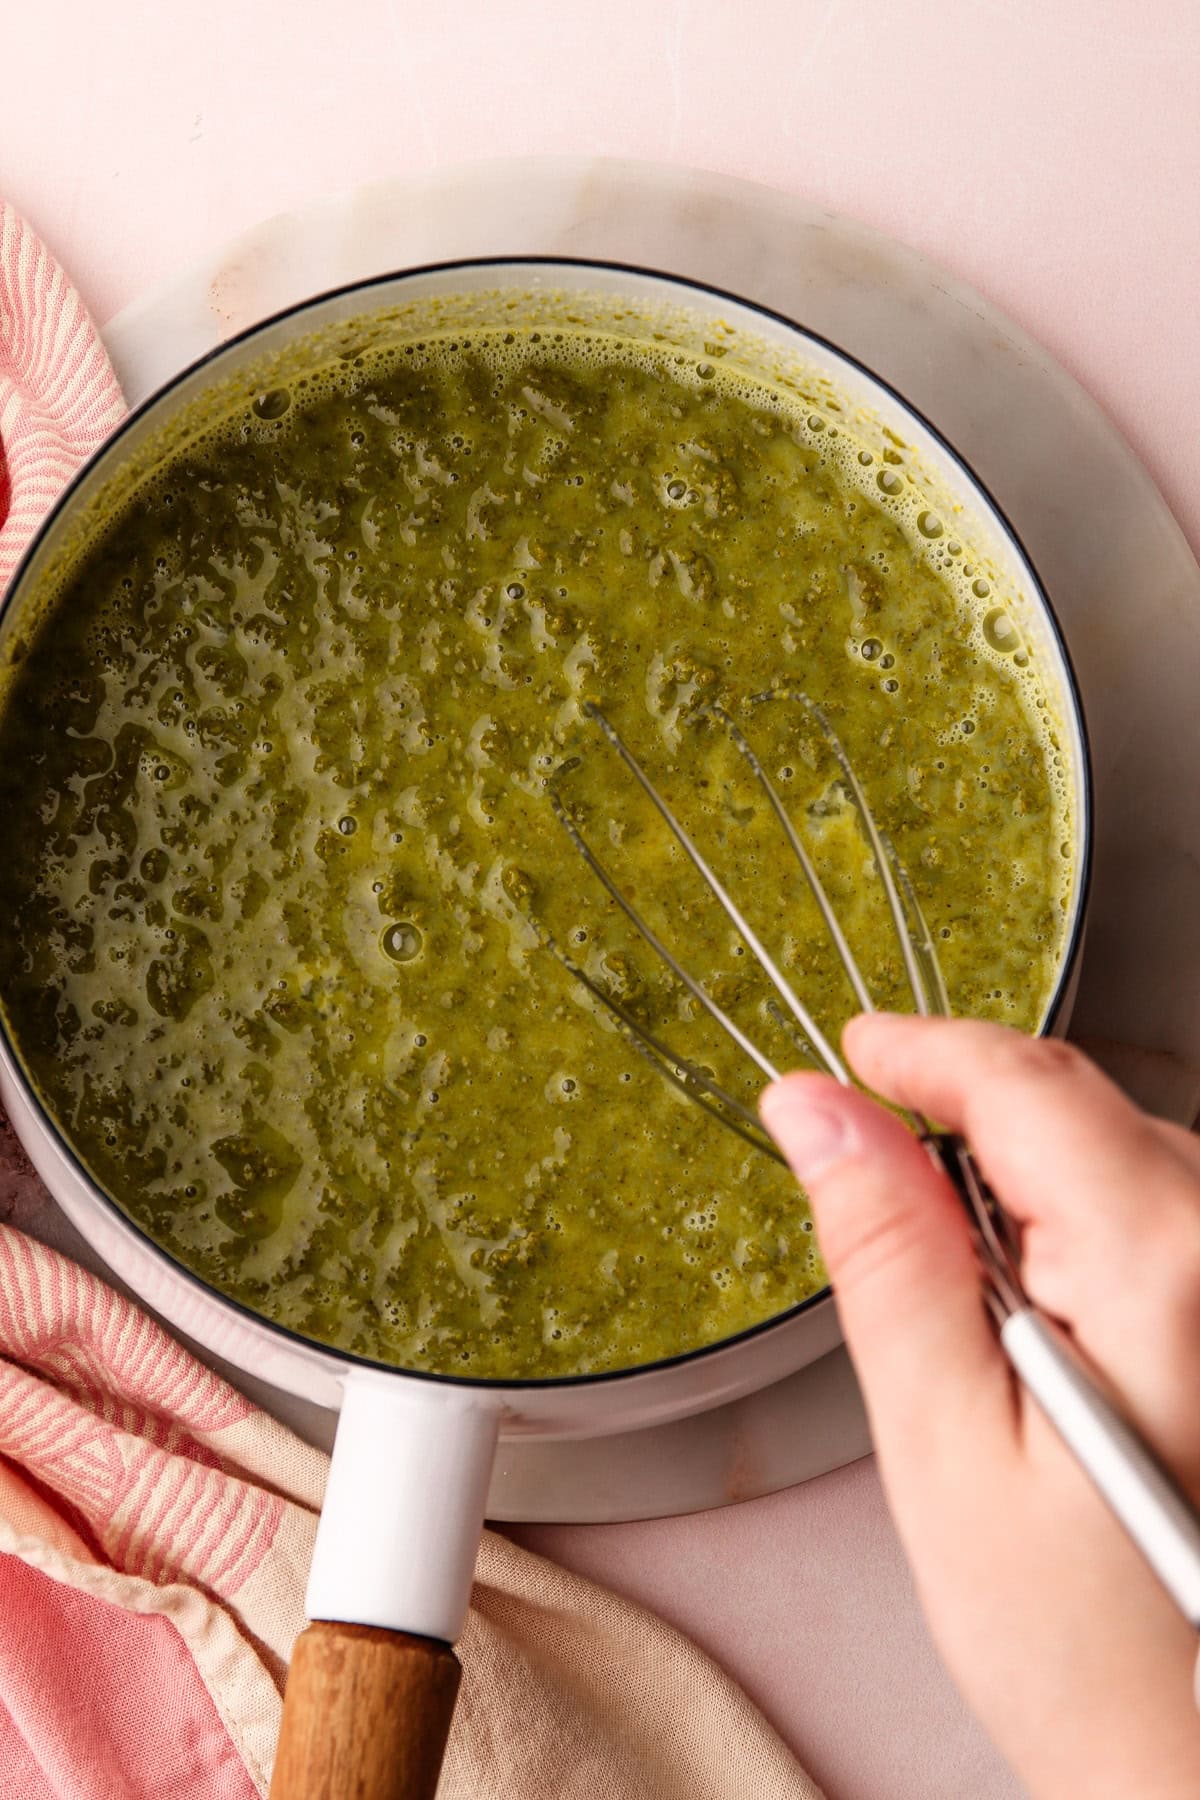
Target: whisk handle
1147	1500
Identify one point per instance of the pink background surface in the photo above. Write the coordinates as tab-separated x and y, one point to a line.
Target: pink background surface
1046	150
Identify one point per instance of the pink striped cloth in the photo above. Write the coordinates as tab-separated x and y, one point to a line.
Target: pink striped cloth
156	1528
59	398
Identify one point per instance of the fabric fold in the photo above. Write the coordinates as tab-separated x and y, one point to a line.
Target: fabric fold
59	398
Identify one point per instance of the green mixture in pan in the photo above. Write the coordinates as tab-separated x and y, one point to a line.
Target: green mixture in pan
284	881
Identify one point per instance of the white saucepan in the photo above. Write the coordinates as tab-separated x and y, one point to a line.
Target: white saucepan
372	1685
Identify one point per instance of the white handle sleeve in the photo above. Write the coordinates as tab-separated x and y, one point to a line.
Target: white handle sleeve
404	1506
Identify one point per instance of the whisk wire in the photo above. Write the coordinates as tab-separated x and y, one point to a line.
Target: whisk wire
996	1238
993	1232
883	862
640	924
687	1076
921	937
779	981
828	916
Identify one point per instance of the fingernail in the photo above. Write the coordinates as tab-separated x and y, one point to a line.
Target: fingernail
812	1135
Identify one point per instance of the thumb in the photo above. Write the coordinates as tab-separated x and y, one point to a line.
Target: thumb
900	1256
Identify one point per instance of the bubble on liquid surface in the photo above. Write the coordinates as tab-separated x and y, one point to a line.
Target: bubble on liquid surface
871	649
1000	632
402	942
273	404
929	525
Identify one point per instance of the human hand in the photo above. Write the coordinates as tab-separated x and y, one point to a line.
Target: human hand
1048	1618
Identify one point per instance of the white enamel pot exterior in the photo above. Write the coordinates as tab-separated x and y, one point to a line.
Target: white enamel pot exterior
409	1477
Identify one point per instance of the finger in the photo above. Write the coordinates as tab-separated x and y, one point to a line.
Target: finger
901	1261
1052	1133
1183	1142
1110	1199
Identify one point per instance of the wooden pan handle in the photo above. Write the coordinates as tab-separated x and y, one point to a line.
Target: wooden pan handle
366	1715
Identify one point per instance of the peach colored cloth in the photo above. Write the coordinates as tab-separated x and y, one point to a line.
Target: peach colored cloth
156	1528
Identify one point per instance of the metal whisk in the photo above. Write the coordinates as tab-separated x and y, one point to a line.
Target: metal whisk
1075	1397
